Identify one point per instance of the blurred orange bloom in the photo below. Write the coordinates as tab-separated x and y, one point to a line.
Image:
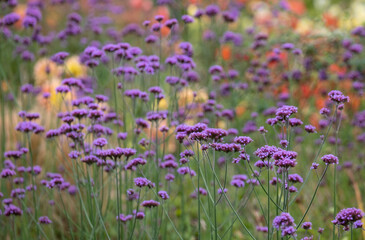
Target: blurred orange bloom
226	52
297	7
337	69
330	21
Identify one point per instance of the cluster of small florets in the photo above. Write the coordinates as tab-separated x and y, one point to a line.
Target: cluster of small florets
199	132
330	159
347	217
338	97
133	163
143	182
225	147
266	152
285	159
285	223
186	170
284	112
150	204
243	140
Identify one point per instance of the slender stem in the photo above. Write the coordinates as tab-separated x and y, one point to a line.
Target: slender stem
68	217
198	160
268	201
351	231
117	186
335	168
135	217
33	183
314	195
214	197
229	202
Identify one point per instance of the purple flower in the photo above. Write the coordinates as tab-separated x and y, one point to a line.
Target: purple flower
216	69
285	159
59	57
337	97
226	147
150	203
143	182
348	216
186	170
266	152
5	173
171	23
288	231
243	140
262	229
330	159
284	112
307	225
135	162
100	142
310	128
283	221
12	210
124	218
356	48
72	190
237	183
169	177
62	89
44	220
163	195
225	190
159	18
10	19
287	46
211	10
187	19
295	178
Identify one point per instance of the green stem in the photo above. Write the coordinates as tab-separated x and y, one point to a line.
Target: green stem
33	183
268	201
135	217
117	186
314	195
198	160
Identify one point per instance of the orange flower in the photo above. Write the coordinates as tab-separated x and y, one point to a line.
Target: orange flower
164	11
337	69
330	21
20	10
240	110
314	120
346	84
305	90
355	102
226	52
297	7
320	102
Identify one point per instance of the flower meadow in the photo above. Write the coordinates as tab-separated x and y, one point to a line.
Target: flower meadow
172	119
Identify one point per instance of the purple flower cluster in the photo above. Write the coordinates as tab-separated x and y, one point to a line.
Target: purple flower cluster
348	216
285	223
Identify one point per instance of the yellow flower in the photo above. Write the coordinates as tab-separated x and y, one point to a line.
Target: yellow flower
45	70
163	104
186	96
73	67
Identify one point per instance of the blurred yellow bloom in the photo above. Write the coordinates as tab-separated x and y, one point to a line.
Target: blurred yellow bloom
45	70
192	8
163	104
222	124
304	26
73	67
186	96
4	86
